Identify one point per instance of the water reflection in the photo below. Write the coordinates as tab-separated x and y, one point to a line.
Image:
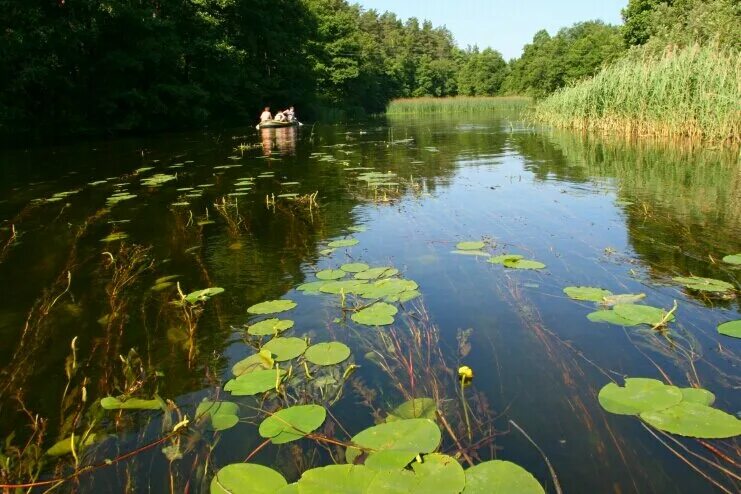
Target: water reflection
282	140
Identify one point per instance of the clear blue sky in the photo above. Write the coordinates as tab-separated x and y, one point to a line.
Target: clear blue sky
503	25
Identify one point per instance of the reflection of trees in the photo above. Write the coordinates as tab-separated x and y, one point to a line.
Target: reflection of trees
685	202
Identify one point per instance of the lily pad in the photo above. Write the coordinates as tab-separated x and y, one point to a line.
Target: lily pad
694	420
704	284
331	274
222	414
285	348
203	295
438	474
113	403
420	435
639	395
355	267
734	259
270	327
259	361
404	296
272	307
523	264
327	353
292	423
349	242
387	288
414	409
610	316
589	293
476	253
338	479
255	382
312	287
698	395
376	273
641	314
623	298
378	314
500	477
243	478
476	245
346	286
731	328
504	258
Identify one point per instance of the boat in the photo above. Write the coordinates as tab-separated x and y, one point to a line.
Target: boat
273	124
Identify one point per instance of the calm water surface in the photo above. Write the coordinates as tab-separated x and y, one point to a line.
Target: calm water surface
601	213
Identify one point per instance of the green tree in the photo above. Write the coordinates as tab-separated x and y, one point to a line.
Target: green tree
481	72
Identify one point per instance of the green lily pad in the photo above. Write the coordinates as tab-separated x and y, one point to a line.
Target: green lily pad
355	267
500	477
358	229
694	420
259	361
698	395
292	423
343	243
285	348
326	252
378	314
734	259
345	286
386	288
338	479
403	297
504	258
641	314
610	316
289	489
222	414
420	435
272	307
390	459
203	295
327	353
523	264
255	382
313	287
704	284
437	474
270	327
731	328
476	253
476	245
113	403
331	274
623	298
376	273
414	409
244	478
639	395
589	293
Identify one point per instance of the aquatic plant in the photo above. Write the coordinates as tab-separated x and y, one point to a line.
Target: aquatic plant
459	104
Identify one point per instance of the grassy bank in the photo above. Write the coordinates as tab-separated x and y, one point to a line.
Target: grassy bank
692	92
458	104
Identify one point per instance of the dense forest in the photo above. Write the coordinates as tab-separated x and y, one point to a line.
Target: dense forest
85	66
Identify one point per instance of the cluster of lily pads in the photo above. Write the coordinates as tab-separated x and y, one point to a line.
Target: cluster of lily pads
682	411
398	455
620	309
512	261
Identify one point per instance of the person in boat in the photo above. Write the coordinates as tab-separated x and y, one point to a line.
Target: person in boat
280	117
290	114
266	115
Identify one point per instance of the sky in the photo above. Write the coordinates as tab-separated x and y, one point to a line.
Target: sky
503	25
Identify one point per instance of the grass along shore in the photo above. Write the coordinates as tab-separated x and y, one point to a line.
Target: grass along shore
457	104
693	92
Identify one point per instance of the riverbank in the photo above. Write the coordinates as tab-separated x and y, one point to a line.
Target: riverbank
692	92
457	104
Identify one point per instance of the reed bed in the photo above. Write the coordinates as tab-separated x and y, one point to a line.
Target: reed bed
457	104
692	92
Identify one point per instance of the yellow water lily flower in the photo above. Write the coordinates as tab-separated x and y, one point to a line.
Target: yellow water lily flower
465	373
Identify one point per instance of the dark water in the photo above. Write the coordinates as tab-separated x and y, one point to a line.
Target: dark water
626	217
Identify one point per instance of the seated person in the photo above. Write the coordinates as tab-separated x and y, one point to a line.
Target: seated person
280	117
290	114
266	116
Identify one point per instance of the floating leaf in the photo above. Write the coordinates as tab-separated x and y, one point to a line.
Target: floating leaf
641	314
292	423
327	353
256	382
504	258
203	295
358	229
270	327
285	348
272	307
389	459
437	474
312	287
243	478
470	245
623	298
419	435
355	267
694	420
523	264
704	284
387	288
590	293
343	243
338	479
404	296
64	447
698	395
610	316
289	489
477	253
500	477
731	328
326	252
375	273
113	403
414	409
331	274
378	314
222	414
639	395
346	286
259	361
734	259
